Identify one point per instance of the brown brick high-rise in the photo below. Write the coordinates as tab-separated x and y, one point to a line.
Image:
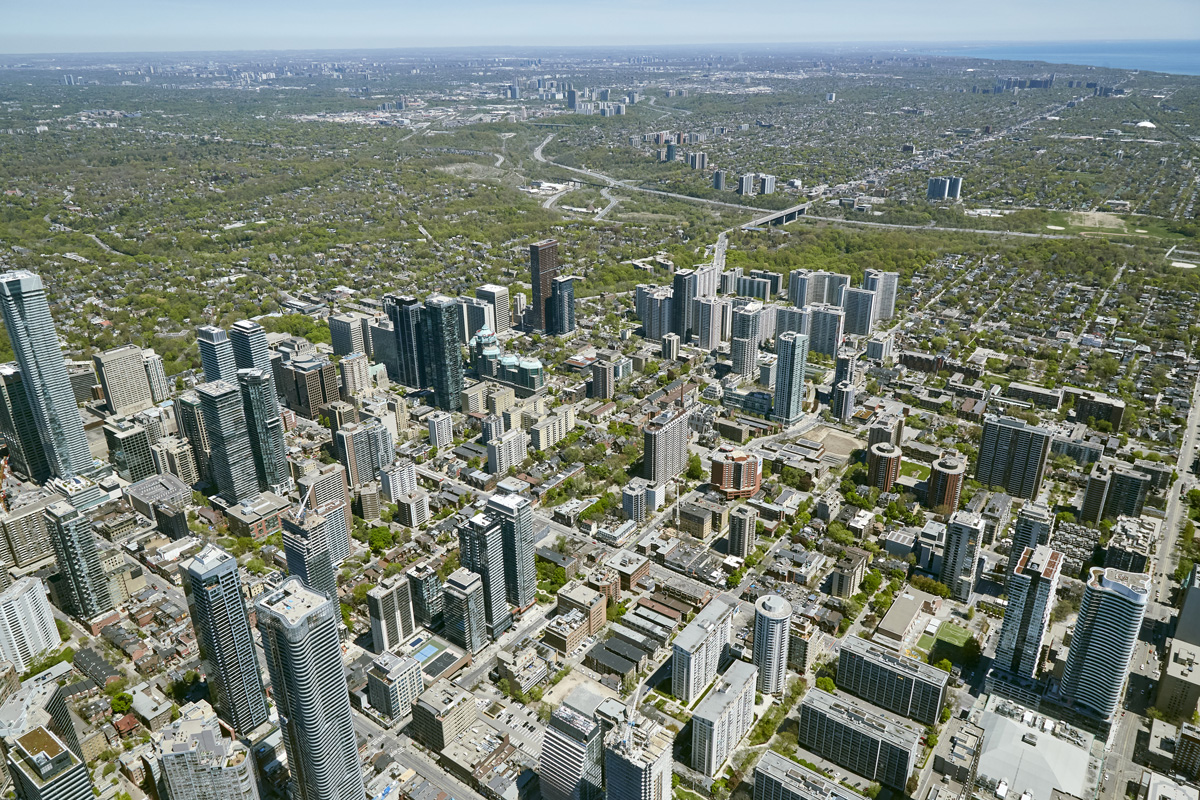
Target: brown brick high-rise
543	269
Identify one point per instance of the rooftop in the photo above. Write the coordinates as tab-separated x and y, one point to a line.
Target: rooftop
292	602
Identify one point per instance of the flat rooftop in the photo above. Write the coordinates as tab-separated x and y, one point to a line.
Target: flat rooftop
1032	758
292	601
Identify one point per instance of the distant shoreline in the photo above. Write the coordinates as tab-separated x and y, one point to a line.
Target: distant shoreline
1174	57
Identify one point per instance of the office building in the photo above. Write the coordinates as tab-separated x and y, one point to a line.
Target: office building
309	384
306	544
196	762
389	606
231	461
428	596
543	269
515	514
572	761
637	760
51	400
665	440
859	305
474	315
27	628
122	375
228	658
42	767
826	329
465	620
129	449
442	353
562	305
700	647
1012	455
498	298
862	741
884	284
349	333
723	718
300	639
406	315
883	465
603	385
84	584
945	482
394	684
772	619
507	451
441	714
481	550
326	489
964	533
1102	646
892	681
1031	588
1034	525
265	428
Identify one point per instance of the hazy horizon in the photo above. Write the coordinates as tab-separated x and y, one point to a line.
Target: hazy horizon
139	26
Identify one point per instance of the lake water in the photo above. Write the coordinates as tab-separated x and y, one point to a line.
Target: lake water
1178	57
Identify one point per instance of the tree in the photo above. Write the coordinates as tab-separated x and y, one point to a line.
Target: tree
826	684
122	703
872	581
695	468
944	665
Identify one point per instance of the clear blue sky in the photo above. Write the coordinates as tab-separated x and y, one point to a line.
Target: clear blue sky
66	26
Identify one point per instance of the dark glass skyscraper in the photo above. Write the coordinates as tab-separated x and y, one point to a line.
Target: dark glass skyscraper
214	595
543	269
442	351
266	430
250	351
515	514
26	454
481	547
406	315
232	459
306	544
44	374
562	306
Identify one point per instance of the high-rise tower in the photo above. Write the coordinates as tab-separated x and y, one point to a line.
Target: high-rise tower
214	595
84	581
231	462
1110	618
216	354
299	630
1030	600
772	619
543	269
44	374
481	548
442	353
515	514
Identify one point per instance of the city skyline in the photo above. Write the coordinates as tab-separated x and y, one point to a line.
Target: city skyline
139	26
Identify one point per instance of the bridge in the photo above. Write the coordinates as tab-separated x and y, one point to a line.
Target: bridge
780	217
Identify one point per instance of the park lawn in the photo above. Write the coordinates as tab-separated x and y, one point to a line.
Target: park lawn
918	471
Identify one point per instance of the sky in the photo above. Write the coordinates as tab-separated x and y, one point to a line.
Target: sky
80	26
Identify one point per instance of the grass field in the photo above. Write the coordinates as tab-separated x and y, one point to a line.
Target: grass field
925	642
918	471
953	634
